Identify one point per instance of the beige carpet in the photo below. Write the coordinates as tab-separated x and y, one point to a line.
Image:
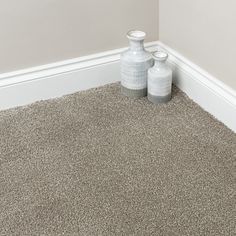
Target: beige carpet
96	163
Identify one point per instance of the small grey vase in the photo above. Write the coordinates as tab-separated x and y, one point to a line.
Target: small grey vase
159	79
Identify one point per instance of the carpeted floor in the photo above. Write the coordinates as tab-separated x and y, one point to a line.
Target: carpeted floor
96	163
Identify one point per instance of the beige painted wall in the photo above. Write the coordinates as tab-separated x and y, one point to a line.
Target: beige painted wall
36	32
203	31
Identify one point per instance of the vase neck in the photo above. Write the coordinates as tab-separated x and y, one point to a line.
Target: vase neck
136	45
160	63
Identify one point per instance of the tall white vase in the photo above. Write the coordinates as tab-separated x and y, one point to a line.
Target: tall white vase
135	63
159	79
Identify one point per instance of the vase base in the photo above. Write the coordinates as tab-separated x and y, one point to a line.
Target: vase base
132	93
159	99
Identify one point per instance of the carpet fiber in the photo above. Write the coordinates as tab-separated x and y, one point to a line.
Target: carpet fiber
96	163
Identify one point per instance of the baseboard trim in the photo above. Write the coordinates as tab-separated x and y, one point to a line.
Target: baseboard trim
210	93
57	79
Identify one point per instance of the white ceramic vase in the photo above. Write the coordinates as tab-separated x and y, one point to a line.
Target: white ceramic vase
135	63
159	79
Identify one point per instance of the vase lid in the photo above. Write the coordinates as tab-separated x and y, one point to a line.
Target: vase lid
136	35
160	56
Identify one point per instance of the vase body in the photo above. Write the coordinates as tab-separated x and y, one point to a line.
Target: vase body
159	80
135	63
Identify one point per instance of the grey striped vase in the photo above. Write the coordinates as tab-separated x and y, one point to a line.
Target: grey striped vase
135	63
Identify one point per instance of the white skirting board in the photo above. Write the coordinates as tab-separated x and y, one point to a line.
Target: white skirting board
207	91
55	80
62	78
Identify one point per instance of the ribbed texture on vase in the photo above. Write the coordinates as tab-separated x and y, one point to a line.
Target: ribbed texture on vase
132	93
